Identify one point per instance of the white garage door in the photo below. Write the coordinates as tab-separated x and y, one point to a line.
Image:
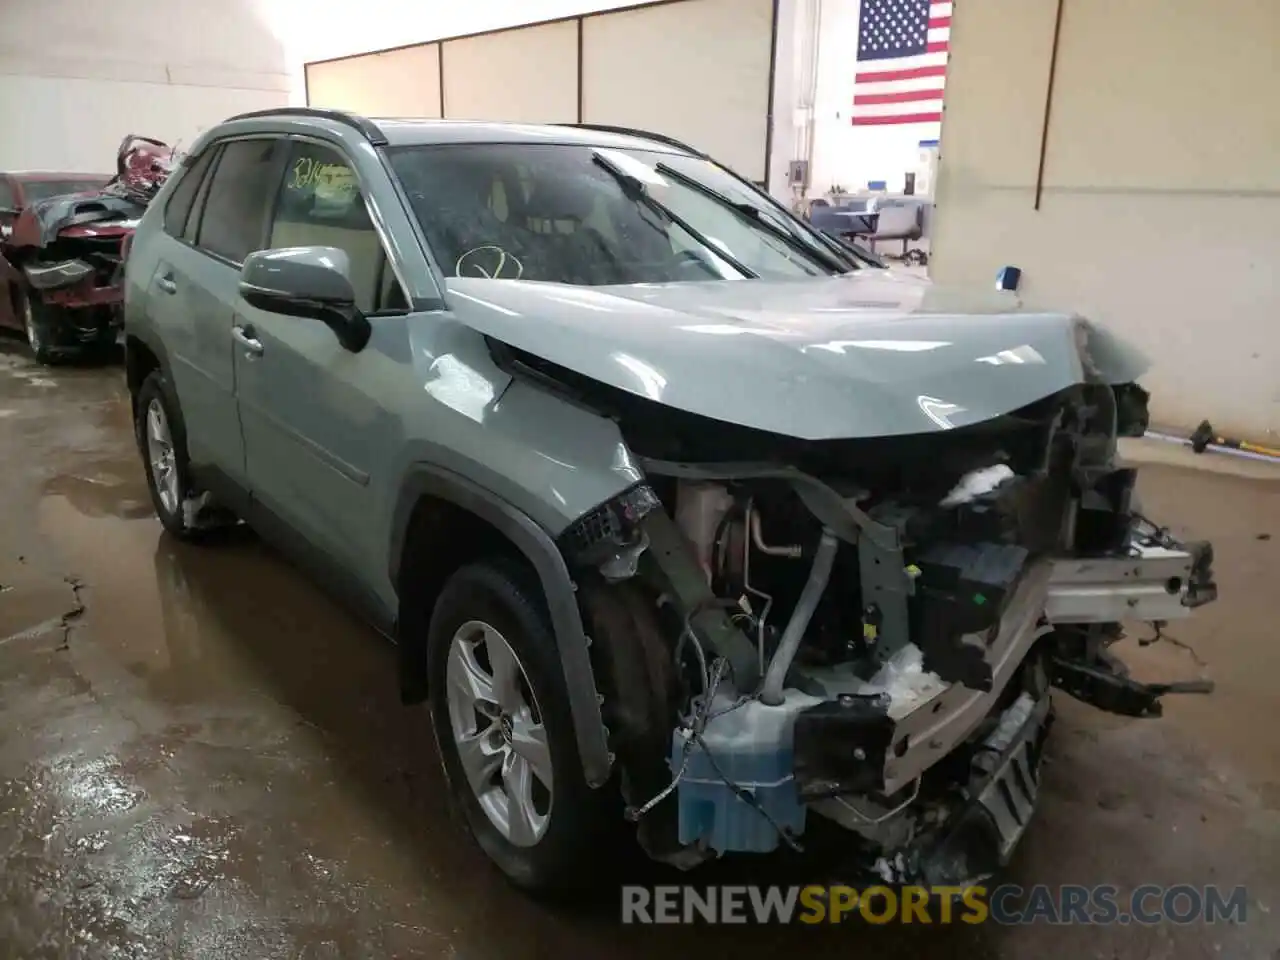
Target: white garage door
697	70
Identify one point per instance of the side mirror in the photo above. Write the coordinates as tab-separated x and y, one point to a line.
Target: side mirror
309	282
1008	278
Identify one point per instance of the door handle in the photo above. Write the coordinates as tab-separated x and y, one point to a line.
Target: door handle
244	336
167	284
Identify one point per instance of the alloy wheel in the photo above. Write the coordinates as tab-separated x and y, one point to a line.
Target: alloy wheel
498	730
164	466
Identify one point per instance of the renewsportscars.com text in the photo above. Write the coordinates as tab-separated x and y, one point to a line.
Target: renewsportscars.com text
1009	904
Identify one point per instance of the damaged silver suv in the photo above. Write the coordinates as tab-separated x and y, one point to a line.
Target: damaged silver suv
690	520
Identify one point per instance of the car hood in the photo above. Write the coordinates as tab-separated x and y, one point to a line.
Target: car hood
871	354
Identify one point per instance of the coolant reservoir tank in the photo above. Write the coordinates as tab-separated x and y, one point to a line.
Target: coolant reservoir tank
699	509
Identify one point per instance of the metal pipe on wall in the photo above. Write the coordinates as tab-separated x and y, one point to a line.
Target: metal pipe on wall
799	73
814	77
1048	104
1213	448
805	46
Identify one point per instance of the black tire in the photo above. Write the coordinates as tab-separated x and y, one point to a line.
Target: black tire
39	322
573	853
156	389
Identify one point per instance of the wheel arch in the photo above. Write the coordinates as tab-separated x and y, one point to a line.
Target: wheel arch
142	354
12	298
515	530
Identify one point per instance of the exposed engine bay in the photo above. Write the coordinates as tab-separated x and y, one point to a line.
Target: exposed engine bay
795	635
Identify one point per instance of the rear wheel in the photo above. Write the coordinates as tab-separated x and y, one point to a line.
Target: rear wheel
162	441
505	734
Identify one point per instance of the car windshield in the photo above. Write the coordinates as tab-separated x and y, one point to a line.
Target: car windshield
33	190
594	215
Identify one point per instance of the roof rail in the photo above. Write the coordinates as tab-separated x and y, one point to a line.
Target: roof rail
635	132
367	128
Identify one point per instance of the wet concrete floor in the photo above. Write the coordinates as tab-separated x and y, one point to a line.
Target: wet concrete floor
202	757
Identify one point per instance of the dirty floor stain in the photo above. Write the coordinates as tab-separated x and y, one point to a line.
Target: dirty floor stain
202	757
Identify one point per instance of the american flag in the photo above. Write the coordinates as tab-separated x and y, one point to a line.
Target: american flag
902	61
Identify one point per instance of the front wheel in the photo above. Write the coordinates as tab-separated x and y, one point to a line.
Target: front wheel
505	734
37	321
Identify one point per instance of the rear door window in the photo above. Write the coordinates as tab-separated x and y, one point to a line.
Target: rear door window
191	229
239	199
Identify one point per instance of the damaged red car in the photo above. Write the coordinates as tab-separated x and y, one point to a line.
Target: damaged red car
63	240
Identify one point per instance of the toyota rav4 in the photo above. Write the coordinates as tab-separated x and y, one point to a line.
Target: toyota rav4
688	520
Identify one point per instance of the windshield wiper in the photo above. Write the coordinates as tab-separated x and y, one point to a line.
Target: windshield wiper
754	214
636	190
856	256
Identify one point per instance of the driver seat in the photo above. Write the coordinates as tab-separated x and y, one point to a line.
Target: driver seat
465	220
578	256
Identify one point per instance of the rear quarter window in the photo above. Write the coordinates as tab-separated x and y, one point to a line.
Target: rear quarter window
181	200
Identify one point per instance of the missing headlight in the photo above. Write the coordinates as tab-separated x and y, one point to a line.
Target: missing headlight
609	537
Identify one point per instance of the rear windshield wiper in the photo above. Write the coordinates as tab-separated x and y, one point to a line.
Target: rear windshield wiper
635	189
751	212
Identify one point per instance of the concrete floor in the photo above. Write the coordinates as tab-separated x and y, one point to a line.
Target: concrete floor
202	757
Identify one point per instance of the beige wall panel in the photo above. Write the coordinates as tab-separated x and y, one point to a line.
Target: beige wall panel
697	70
527	75
1161	202
397	83
1167	95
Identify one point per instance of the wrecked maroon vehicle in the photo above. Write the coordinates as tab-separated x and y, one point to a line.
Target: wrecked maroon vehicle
63	240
